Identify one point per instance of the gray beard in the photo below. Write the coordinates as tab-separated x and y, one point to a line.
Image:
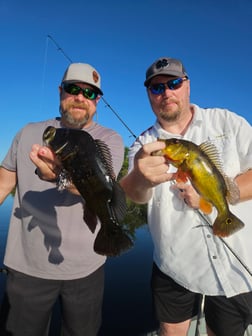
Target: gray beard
71	122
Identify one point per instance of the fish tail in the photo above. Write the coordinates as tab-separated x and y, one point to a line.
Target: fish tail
112	243
227	224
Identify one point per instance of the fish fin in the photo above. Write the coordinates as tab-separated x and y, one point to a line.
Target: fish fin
90	219
205	206
233	192
213	154
181	176
227	224
112	239
104	153
113	242
118	204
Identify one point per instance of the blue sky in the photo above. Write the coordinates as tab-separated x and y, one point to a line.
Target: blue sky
121	39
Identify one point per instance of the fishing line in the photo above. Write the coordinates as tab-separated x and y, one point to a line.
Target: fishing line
207	222
43	77
59	48
225	243
103	99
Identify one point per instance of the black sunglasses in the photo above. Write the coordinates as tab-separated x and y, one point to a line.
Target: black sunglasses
74	90
172	84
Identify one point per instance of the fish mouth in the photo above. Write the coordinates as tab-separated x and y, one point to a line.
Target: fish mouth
48	137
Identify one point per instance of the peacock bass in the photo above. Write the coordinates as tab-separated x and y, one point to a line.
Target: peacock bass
201	165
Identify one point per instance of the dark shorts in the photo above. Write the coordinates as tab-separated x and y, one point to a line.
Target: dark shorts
228	316
173	304
29	301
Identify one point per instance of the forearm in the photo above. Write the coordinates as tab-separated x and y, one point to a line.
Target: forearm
8	181
244	182
136	189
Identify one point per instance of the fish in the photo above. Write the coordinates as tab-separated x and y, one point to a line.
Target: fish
88	165
202	166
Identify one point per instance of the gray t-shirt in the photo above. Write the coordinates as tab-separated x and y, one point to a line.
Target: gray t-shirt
48	237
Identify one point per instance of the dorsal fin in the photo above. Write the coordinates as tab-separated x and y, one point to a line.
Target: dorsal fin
233	193
212	152
105	154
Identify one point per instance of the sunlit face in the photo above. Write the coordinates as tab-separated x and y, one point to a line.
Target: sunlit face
77	111
170	105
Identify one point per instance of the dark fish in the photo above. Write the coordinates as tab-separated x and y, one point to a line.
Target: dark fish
88	163
201	165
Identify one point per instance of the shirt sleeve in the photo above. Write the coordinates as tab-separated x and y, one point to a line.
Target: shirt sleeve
10	160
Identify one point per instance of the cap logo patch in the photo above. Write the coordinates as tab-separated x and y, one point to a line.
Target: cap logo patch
162	63
95	76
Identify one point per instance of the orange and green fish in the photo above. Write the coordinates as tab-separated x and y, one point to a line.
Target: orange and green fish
202	166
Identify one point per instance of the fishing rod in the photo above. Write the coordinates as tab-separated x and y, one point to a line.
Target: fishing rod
103	99
132	133
225	243
209	224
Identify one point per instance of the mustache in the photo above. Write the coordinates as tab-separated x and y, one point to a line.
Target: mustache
78	105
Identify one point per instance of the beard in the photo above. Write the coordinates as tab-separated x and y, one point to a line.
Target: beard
70	119
169	116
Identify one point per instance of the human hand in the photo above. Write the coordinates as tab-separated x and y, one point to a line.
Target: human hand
48	166
152	169
188	194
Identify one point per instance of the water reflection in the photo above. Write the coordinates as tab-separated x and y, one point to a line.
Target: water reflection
127	309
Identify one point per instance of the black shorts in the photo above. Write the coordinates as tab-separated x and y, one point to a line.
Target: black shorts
228	316
172	302
29	302
224	316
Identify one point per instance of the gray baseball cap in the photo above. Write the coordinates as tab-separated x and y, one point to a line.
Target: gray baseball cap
82	72
165	66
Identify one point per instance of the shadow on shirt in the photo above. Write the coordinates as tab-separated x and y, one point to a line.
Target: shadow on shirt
40	206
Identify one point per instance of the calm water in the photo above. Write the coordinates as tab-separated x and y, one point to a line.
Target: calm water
127	307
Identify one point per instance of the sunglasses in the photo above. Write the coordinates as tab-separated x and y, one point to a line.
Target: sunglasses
74	90
172	84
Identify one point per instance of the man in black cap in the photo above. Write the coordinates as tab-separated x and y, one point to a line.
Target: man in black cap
189	259
50	248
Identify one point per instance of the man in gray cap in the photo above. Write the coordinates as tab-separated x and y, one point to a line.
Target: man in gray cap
49	251
189	259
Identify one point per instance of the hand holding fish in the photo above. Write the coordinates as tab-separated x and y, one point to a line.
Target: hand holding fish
148	172
152	170
187	193
47	164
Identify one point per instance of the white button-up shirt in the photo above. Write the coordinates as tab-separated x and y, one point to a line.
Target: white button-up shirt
184	246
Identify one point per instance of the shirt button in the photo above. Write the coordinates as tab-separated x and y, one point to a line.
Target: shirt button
214	257
208	236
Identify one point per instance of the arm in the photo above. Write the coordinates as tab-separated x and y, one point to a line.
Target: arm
148	171
244	182
8	180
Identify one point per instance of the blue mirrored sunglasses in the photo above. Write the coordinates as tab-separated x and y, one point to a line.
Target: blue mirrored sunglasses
74	90
172	84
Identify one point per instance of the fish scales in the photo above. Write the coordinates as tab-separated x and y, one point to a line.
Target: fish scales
201	166
88	163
